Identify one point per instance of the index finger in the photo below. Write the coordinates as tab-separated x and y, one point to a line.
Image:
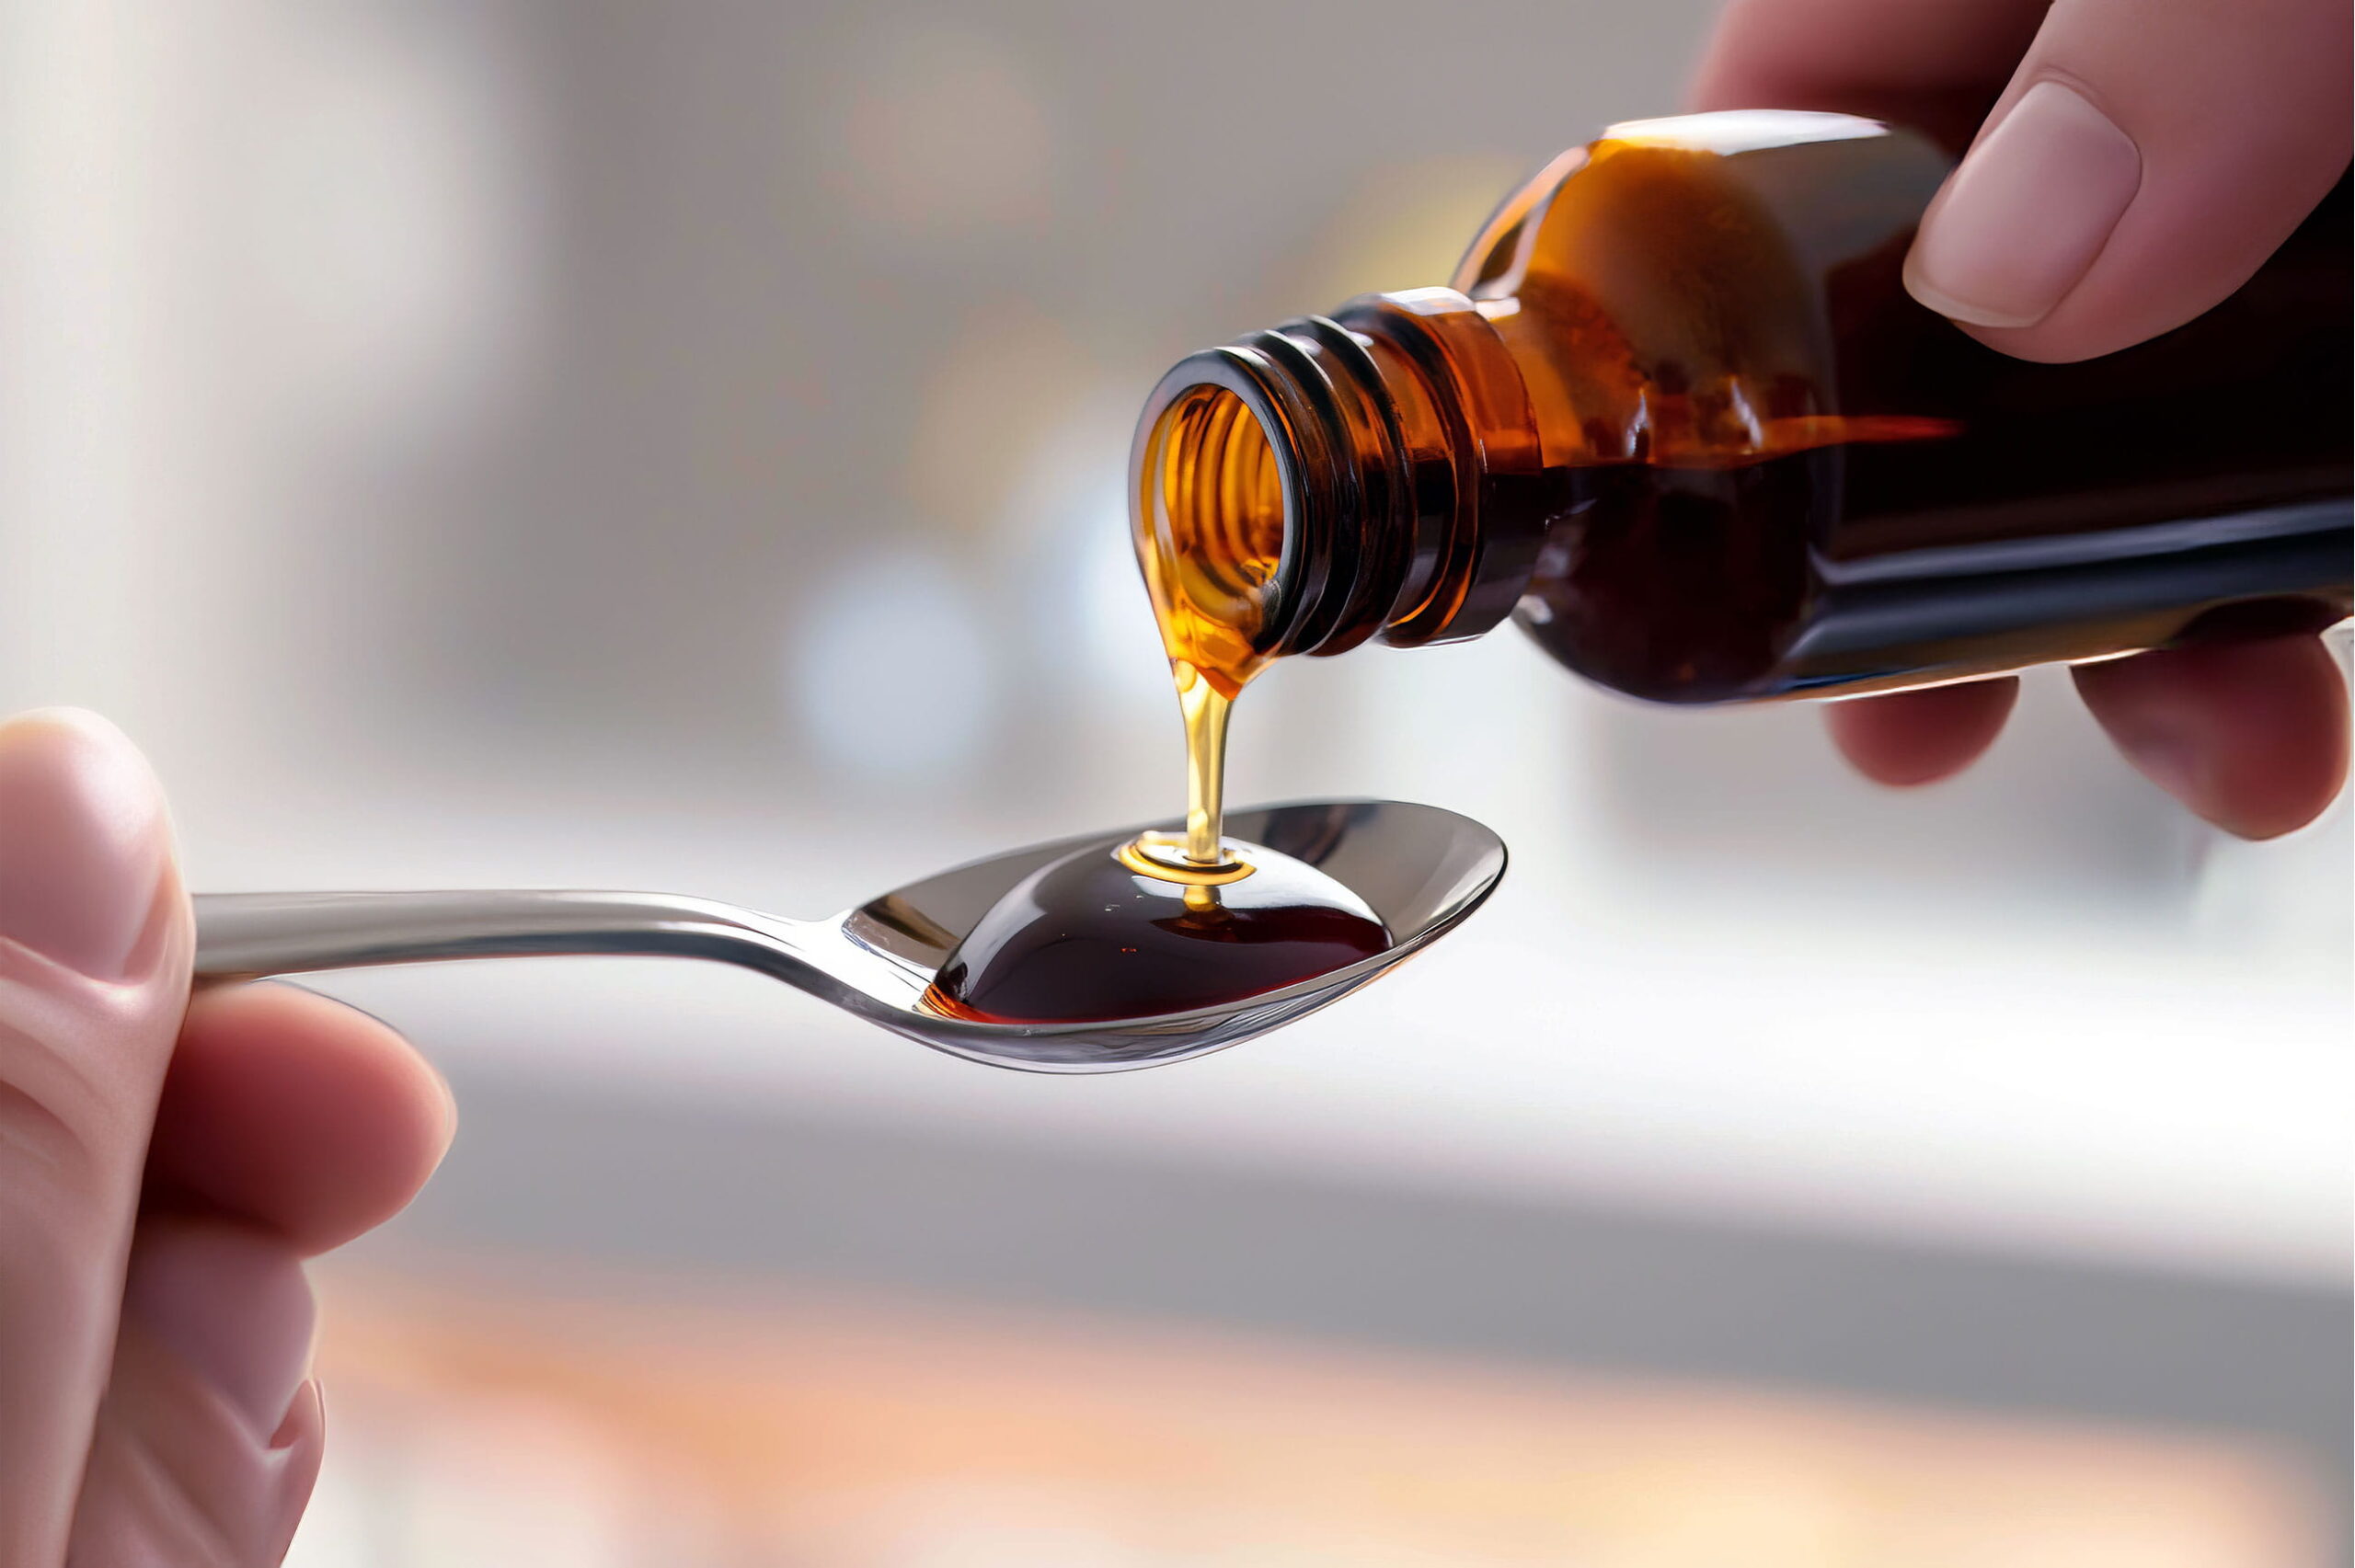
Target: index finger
294	1113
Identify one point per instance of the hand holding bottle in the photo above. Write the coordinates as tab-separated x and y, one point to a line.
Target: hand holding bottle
165	1166
2140	160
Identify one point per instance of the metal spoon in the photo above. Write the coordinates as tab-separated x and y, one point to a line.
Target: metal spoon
1421	869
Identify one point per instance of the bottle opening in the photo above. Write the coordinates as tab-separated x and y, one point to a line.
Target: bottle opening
1210	523
1336	479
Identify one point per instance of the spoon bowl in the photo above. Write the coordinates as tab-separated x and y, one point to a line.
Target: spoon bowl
1421	869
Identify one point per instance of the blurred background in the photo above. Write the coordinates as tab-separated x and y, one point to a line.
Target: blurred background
493	443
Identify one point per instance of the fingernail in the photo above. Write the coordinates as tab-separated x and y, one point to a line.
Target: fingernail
82	841
232	1304
2023	218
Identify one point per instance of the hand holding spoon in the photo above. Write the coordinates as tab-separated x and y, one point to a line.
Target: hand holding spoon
1420	869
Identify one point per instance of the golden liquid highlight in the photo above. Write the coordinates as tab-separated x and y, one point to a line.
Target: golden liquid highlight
1209	533
1205	709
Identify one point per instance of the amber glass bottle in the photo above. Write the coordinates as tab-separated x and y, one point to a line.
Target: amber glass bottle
1677	414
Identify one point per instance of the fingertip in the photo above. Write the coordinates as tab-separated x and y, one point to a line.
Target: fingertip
2121	188
2025	214
2253	736
1909	738
298	1114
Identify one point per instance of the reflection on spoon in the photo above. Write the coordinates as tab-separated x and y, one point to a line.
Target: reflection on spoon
1416	870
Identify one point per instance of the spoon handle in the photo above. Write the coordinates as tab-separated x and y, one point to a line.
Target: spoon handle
245	935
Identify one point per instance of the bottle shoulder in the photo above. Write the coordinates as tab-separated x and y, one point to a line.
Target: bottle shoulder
1670	291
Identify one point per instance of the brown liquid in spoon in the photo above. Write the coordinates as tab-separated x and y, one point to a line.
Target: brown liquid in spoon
1163	923
1087	939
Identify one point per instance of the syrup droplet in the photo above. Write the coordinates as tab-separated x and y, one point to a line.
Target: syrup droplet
1087	939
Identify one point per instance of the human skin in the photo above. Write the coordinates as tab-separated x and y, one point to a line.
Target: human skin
165	1167
2129	164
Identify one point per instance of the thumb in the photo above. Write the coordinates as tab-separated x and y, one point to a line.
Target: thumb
2147	158
93	973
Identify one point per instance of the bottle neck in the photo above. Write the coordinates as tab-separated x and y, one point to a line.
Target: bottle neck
1394	489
